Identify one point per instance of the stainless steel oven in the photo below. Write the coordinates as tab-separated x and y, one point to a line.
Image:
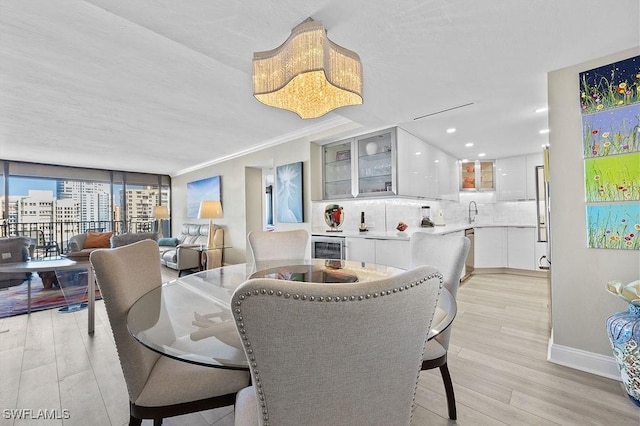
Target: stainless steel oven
327	247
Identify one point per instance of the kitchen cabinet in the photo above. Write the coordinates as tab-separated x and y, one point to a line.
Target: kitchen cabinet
521	248
425	171
361	249
507	247
490	249
394	253
387	163
515	177
337	170
477	175
376	163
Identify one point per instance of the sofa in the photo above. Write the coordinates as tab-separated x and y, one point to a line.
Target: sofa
80	246
131	237
13	249
187	251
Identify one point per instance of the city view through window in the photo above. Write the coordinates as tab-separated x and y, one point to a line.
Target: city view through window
53	210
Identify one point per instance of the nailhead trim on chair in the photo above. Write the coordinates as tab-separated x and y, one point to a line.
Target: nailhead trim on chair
304	297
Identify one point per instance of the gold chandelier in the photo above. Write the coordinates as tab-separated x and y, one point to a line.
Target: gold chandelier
308	74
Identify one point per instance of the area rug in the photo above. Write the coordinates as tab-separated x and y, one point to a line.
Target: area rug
13	300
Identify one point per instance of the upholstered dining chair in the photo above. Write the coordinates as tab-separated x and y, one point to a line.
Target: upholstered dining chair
326	354
282	245
158	386
447	254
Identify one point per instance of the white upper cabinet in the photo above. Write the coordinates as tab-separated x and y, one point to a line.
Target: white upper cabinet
337	170
516	180
417	177
388	162
511	176
424	171
376	163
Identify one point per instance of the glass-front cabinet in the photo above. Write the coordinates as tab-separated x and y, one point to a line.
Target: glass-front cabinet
361	166
376	163
337	161
477	175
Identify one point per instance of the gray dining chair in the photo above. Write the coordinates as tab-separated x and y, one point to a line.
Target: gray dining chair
282	245
326	354
447	254
158	386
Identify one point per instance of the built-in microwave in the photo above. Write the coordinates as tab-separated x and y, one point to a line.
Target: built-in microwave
328	247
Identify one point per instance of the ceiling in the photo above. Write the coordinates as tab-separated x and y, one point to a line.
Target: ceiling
164	86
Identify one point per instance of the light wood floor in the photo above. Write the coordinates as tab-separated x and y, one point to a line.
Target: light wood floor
497	362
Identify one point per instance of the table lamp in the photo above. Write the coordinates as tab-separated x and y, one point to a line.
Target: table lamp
210	209
160	213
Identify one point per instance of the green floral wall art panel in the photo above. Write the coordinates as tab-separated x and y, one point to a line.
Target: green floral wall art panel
614	226
612	178
610	132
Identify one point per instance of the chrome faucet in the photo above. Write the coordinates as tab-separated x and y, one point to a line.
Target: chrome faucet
475	210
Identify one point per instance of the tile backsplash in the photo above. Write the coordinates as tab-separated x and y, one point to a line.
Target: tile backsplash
382	215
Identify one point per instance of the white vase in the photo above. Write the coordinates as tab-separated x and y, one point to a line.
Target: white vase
371	148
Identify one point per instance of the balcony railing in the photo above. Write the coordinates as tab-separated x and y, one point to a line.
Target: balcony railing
50	233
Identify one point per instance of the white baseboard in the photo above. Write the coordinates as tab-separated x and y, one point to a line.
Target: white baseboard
605	366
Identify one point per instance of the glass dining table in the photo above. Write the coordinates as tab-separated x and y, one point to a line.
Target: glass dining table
190	318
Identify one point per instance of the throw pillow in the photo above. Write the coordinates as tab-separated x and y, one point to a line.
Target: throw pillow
98	240
171	242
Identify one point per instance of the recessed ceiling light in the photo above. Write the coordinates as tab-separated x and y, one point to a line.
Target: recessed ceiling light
436	161
451	130
544	109
543	131
464	160
418	153
468	145
482	154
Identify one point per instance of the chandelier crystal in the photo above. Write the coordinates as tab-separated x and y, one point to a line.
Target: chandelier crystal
308	74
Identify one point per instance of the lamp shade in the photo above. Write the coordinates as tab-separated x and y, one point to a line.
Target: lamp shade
160	212
210	209
308	74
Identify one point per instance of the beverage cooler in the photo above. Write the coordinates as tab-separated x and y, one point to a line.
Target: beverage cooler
328	247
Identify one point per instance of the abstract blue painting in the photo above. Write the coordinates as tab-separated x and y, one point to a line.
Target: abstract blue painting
200	190
289	193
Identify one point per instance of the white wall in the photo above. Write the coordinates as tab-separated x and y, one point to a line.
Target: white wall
235	200
580	304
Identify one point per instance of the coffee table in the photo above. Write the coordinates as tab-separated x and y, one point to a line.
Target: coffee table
56	264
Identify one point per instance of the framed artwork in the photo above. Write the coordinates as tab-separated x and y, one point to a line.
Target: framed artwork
289	193
610	86
612	178
610	106
614	226
199	190
611	132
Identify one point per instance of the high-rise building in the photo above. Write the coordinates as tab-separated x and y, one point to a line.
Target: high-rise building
94	198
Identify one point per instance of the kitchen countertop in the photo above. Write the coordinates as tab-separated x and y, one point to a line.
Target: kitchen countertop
395	235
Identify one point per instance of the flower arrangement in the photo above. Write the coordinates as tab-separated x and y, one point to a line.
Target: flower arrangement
629	292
